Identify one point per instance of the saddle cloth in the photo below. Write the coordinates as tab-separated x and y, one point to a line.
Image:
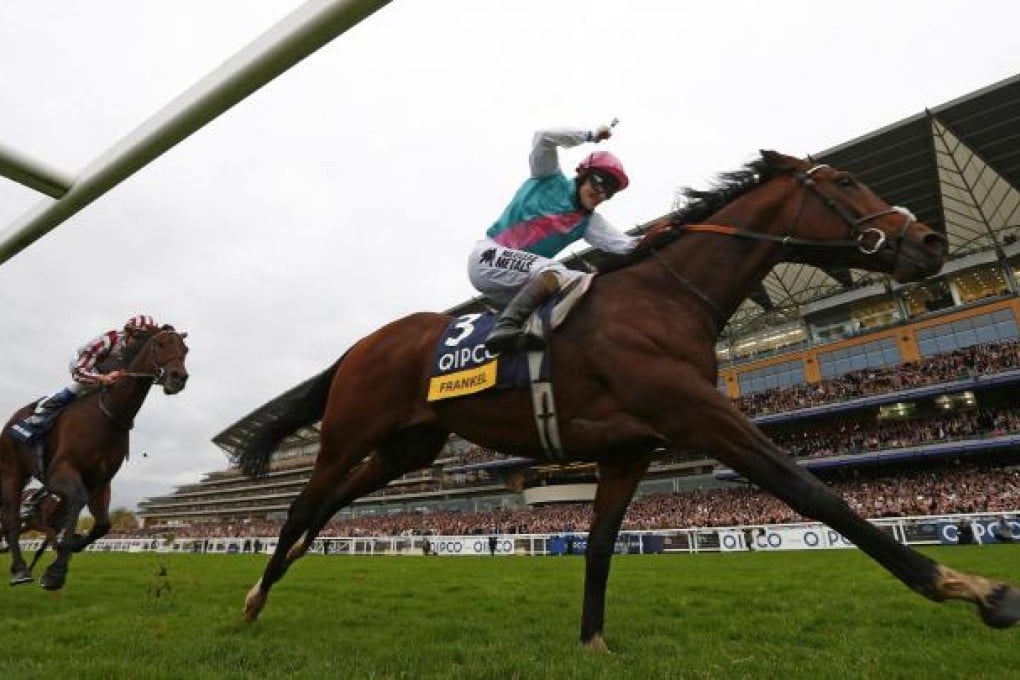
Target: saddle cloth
461	365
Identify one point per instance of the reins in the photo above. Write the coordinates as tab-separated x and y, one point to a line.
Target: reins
786	240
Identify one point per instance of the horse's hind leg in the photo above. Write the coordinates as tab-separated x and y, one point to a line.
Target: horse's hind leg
10	497
411	449
334	486
331	465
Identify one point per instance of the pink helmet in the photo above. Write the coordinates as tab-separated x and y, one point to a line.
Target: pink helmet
141	322
606	162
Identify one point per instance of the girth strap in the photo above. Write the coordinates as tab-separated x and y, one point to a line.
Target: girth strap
544	407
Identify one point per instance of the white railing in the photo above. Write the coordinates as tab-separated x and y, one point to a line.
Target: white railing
923	530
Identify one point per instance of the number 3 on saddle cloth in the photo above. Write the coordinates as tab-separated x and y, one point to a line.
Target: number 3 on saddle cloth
462	366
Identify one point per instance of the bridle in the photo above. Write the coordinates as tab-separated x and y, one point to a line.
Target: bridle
158	377
859	234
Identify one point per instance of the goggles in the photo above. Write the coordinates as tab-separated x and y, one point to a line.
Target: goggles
602	183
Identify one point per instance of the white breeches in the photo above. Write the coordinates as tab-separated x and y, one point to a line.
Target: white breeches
500	272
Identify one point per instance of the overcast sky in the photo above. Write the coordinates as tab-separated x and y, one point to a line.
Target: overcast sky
348	191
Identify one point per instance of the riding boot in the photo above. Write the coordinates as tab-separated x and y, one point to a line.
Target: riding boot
50	406
30	428
508	333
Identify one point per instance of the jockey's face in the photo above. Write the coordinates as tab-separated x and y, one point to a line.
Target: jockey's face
594	190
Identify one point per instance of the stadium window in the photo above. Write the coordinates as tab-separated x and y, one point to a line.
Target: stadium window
994	327
780	375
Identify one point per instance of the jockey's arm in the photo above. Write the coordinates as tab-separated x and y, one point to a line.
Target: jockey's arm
90	354
84	371
605	236
544	159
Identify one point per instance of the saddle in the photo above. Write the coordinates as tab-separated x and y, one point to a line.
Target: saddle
462	365
32	428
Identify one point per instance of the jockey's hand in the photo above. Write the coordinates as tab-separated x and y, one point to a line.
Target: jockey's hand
653	236
111	377
601	133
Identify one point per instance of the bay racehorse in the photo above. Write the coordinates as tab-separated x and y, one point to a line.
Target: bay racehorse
82	453
634	371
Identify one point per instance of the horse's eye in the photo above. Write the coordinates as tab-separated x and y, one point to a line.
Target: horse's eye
845	181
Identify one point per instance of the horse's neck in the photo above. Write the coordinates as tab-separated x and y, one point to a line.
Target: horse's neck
126	399
725	269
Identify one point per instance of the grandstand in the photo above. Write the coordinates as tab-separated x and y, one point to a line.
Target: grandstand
857	376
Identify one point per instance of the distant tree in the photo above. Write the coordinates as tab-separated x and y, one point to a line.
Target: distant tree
123	520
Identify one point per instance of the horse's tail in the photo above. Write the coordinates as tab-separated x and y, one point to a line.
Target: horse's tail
294	409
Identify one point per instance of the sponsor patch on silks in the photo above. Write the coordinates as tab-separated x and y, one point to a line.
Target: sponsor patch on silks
463	366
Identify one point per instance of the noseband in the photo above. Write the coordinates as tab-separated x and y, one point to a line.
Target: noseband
859	232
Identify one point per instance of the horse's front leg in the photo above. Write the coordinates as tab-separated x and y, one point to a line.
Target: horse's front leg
618	480
705	420
99	506
68	485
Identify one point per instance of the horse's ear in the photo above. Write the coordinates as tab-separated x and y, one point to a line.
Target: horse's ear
778	161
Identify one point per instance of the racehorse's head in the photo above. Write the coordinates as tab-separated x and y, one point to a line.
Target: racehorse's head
165	358
844	216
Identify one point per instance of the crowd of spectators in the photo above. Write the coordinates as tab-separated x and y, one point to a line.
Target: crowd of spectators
853	437
949	488
962	363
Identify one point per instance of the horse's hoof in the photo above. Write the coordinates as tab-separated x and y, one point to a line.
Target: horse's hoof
597	644
1001	609
23	577
254	601
53	579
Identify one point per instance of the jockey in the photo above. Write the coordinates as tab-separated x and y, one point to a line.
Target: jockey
513	264
86	374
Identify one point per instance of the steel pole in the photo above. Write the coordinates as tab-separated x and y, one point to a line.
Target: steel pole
295	37
33	174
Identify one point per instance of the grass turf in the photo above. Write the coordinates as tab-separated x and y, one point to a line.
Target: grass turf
790	614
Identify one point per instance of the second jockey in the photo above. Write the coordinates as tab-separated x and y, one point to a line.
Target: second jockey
514	263
87	373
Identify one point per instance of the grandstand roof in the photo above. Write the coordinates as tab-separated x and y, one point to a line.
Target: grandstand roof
956	166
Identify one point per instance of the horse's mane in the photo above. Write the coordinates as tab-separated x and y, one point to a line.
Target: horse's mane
699	206
727	187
